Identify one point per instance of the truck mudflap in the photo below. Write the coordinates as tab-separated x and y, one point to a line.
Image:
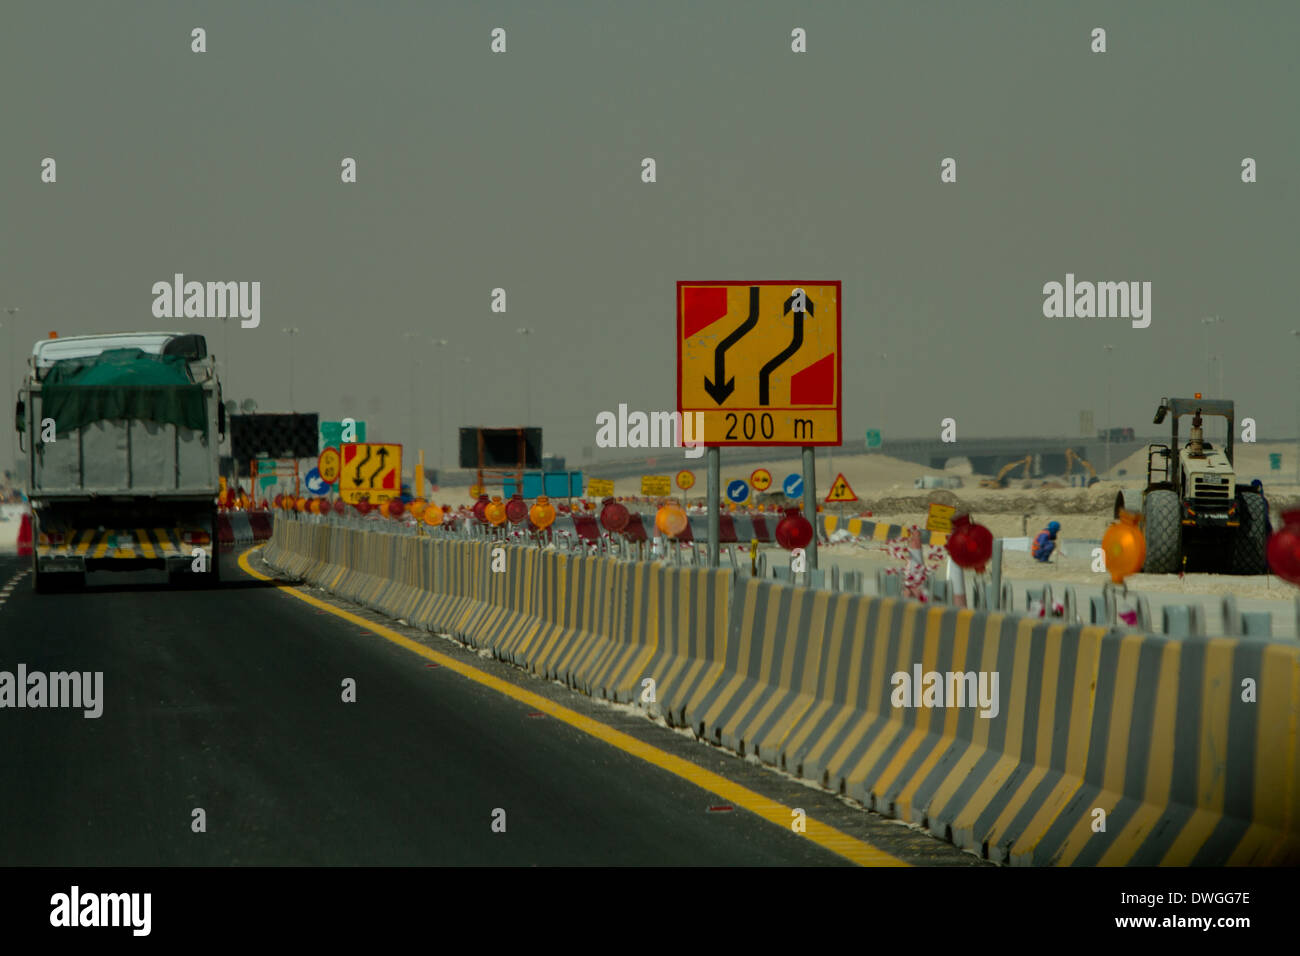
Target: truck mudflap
75	549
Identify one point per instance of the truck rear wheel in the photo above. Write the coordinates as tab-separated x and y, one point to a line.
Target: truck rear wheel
1250	542
1164	532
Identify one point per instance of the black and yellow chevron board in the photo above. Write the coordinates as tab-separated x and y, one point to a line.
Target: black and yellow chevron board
94	545
878	531
1105	747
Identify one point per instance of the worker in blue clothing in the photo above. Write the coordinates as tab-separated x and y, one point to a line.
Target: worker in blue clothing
1045	543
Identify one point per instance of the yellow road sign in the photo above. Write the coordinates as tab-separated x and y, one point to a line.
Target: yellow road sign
329	463
940	518
760	361
686	480
656	486
475	490
370	470
761	479
840	490
600	487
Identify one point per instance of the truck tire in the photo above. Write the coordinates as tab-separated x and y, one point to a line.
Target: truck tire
1250	542
1162	519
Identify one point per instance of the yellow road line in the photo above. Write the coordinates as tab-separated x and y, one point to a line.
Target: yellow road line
827	837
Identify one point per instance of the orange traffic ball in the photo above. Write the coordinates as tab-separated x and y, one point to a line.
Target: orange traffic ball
432	515
417	507
671	520
495	512
1124	547
542	513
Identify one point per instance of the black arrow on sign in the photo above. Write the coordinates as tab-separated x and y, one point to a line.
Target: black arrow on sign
767	370
718	389
383	457
357	480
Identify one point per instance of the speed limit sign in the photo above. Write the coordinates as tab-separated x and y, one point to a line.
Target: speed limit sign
329	464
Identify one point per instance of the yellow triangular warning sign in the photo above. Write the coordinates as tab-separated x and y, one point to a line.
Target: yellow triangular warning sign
840	490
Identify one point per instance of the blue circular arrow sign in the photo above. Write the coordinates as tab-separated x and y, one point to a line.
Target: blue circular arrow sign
737	490
315	484
793	486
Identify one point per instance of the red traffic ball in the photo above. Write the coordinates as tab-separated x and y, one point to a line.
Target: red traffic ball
614	516
516	509
969	545
1284	548
794	530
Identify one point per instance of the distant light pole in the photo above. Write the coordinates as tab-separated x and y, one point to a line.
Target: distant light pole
464	362
441	346
10	380
411	437
1109	425
881	377
291	333
226	380
1208	321
528	378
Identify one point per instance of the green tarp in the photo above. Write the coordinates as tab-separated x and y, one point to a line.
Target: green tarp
123	383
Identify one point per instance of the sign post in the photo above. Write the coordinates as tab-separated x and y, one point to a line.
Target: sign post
759	364
810	502
714	482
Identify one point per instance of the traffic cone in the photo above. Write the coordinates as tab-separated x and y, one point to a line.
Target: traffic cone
25	535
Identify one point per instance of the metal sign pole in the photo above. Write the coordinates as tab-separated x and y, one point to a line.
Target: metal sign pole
714	482
810	501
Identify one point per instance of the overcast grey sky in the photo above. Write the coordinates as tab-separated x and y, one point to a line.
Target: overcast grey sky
522	170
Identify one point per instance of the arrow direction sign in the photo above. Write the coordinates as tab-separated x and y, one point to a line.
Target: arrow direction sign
357	479
737	490
793	486
719	391
759	362
315	483
383	460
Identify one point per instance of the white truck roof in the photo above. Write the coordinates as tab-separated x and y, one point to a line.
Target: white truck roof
48	351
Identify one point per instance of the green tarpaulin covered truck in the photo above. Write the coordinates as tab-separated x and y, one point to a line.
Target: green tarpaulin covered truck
122	437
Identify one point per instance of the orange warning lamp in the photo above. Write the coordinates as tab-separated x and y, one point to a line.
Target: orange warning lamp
54	335
1124	547
671	520
1197	395
432	516
417	507
495	512
542	513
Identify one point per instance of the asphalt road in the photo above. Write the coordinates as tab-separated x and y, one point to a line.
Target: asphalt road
230	700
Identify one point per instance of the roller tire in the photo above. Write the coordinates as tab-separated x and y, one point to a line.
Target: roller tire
1163	528
1250	543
